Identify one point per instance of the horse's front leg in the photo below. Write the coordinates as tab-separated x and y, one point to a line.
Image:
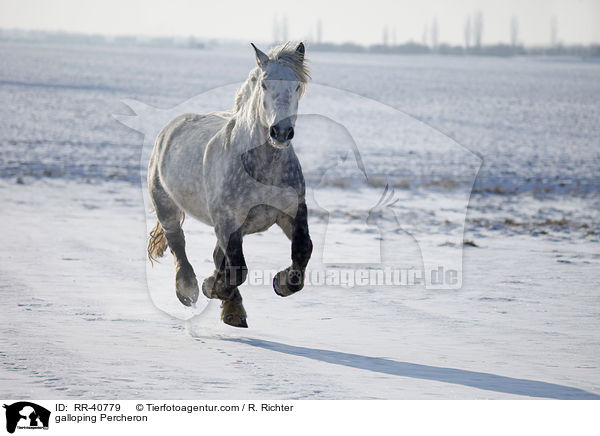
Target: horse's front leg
230	272
291	279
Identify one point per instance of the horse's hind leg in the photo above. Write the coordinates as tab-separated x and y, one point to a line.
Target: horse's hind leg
169	218
291	279
233	312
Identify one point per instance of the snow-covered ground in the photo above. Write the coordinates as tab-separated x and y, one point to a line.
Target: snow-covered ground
84	315
78	320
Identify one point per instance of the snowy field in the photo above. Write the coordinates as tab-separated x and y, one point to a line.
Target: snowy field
85	315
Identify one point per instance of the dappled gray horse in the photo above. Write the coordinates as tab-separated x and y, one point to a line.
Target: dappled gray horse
235	171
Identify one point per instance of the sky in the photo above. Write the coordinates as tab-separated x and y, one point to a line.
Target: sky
578	21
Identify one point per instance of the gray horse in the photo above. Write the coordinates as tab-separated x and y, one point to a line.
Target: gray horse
237	172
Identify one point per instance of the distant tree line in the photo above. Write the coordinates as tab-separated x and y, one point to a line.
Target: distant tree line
59	37
506	50
473	42
472	30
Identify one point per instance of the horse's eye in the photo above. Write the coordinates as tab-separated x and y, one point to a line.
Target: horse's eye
263	86
298	88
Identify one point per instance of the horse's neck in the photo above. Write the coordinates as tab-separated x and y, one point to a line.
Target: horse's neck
248	132
249	137
251	143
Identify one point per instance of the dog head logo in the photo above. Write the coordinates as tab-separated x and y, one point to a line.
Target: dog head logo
26	415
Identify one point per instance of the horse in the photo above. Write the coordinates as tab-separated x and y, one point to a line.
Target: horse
236	171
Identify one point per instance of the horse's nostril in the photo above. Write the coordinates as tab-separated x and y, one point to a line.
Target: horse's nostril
281	134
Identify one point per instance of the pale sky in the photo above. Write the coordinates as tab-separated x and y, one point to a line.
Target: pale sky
356	21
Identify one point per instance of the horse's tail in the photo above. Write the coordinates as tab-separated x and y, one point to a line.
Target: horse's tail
157	244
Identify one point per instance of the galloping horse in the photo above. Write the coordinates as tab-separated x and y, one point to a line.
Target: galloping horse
237	172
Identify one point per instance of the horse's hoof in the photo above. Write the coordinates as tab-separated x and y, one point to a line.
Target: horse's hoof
208	287
185	300
213	288
187	292
234	314
288	282
276	287
235	321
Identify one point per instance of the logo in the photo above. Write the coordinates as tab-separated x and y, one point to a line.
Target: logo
26	415
388	194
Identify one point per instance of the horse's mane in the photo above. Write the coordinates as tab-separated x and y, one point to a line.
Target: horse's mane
284	54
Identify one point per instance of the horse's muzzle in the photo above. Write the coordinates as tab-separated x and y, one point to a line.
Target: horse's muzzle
282	132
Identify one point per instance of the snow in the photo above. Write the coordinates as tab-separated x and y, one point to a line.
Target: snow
78	320
84	314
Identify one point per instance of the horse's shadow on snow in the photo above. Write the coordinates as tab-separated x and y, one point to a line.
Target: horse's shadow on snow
479	380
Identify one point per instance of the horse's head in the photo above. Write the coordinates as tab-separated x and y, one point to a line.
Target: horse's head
280	84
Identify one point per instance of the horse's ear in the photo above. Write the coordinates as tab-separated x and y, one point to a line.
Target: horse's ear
261	58
300	50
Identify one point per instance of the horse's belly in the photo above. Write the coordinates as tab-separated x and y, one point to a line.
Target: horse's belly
181	164
186	188
200	213
259	219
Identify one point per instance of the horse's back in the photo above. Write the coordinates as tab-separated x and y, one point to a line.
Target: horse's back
189	132
178	156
